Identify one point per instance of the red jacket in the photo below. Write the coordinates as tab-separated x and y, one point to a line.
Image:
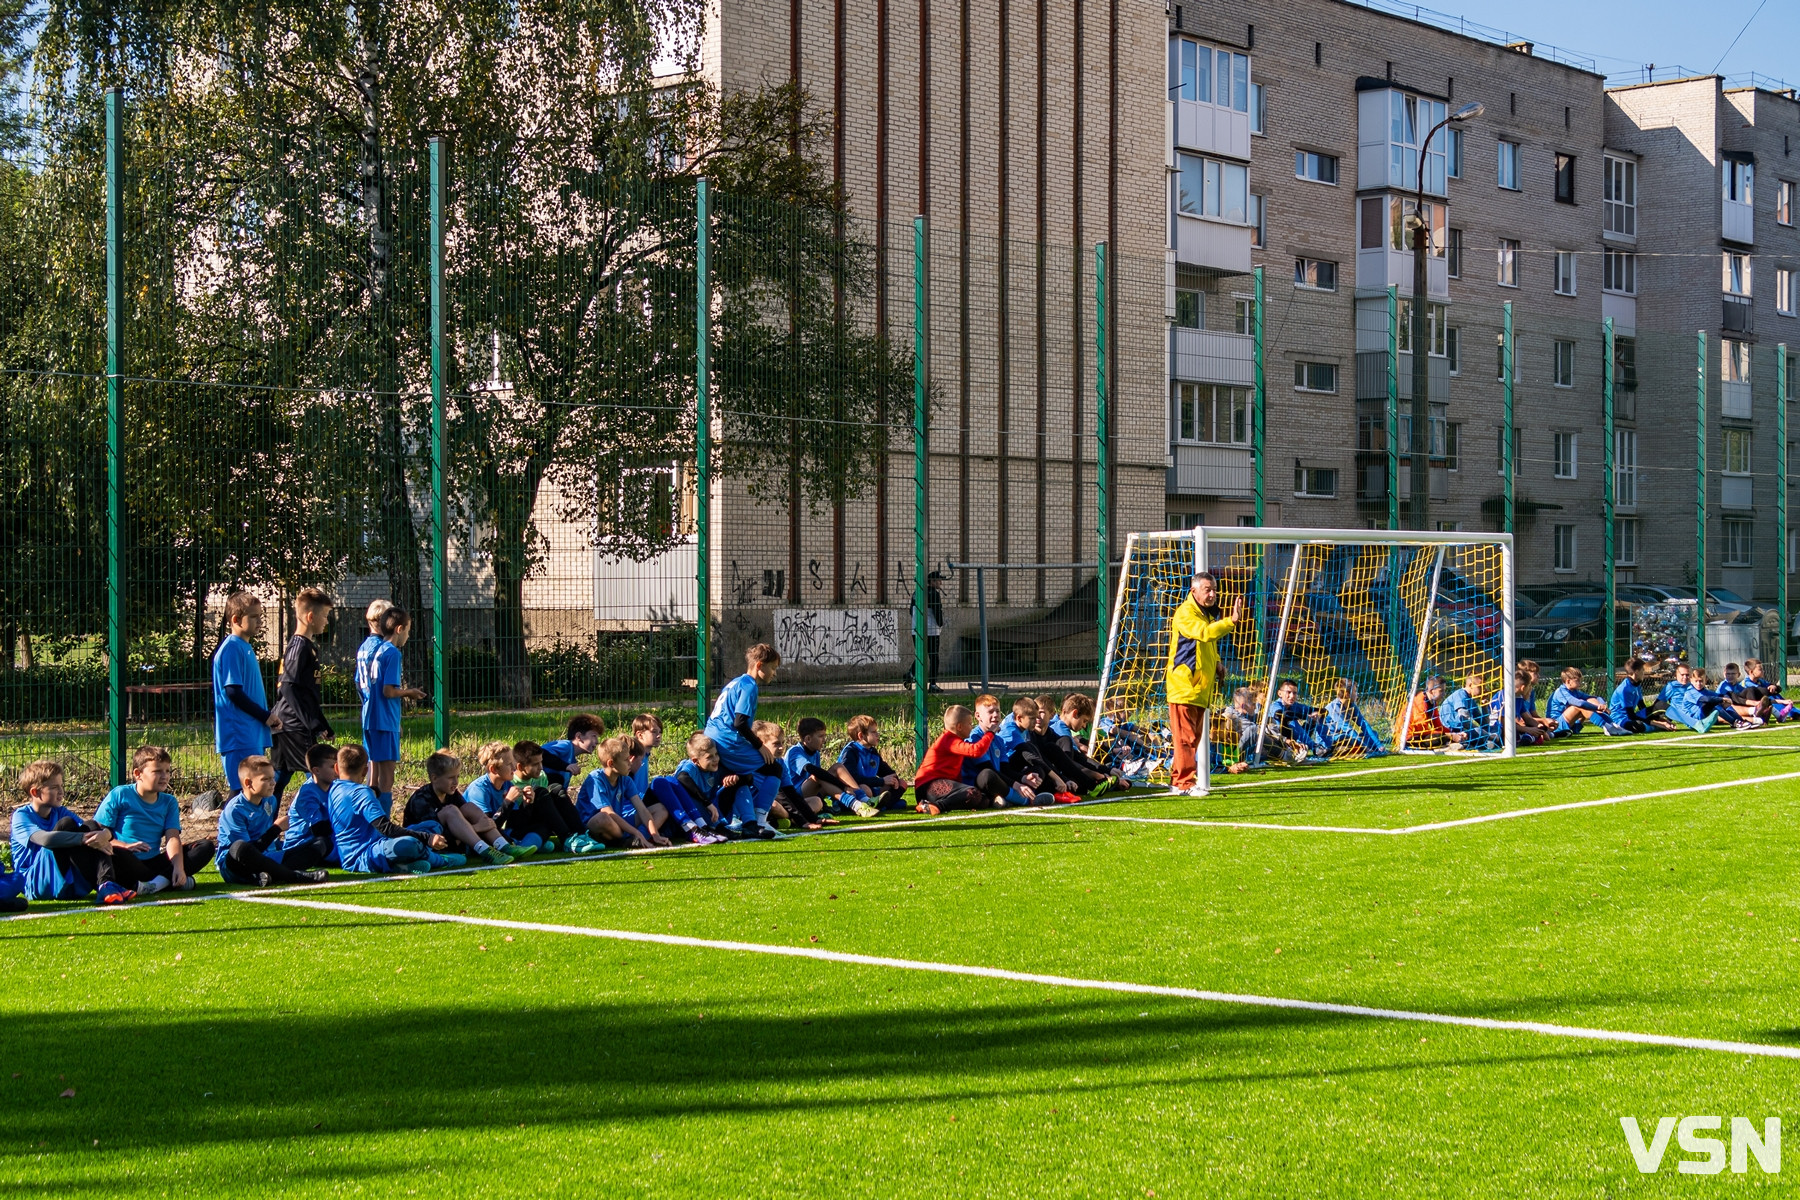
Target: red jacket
942	761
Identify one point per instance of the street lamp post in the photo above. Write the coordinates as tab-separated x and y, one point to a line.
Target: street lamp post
1420	458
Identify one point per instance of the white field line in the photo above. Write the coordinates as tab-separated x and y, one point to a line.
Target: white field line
1757	1049
1065	814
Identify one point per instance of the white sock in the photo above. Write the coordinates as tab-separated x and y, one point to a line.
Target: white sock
480	846
499	842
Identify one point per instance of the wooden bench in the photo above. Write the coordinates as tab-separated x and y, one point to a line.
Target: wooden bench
181	691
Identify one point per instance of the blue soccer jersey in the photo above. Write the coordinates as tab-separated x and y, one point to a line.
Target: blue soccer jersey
598	792
737	751
135	819
863	762
1060	728
483	794
1460	710
306	809
1627	702
560	760
244	820
41	875
1008	739
640	774
354	810
973	766
795	762
1566	697
234	730
706	781
380	712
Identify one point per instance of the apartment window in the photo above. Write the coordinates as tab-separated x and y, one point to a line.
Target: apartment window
1212	412
1409	119
1787	291
1737	274
1740	181
1625	467
1625	379
1259	220
1507	171
1315	273
1562	446
1208	76
1737	451
1210	188
1453	445
1619	272
1456	154
1625	541
1453	349
1564	549
1508	263
1259	108
1437	429
1371	426
1784	202
1500	355
1400	211
1619	196
1320	168
1565	179
1241	315
1738	536
1565	272
646	498
1565	364
1190	309
1435	329
1734	361
1315	377
1455	253
1518	463
1320	482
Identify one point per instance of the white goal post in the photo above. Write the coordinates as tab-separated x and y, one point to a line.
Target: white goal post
1358	619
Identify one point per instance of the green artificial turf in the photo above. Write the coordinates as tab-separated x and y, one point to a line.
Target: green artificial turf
239	1049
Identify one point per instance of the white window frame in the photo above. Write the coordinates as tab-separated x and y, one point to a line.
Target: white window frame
1216	400
1734	360
1619	272
1735	452
1259	109
1619	196
1304	477
1257	209
1565	452
1303	377
1237	70
1215	177
1625	478
1565	282
1787	291
1738	181
1564	546
1506	166
1736	277
1563	364
1739	541
1627	533
1301	161
1305	268
1506	267
1454	167
1784	201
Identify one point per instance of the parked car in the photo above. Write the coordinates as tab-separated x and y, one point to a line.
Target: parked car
1722	604
1572	629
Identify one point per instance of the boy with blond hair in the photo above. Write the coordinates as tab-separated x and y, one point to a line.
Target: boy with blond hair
607	804
440	802
55	854
938	784
145	819
687	793
861	767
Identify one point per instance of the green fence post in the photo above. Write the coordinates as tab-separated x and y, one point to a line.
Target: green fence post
440	542
1782	566
1700	502
1393	409
1508	431
1102	448
115	432
921	476
702	448
1607	499
1259	408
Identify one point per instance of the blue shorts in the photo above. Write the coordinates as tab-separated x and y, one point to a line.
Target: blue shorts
390	854
381	745
231	759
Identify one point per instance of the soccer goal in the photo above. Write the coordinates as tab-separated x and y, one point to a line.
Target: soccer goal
1360	620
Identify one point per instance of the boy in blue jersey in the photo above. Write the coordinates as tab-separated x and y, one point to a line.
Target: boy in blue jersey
1732	710
1019	760
981	771
1085	775
807	774
309	814
440	802
242	721
145	819
607	804
1750	703
378	667
1681	702
1350	733
1301	724
732	729
688	793
1571	708
562	757
861	766
55	854
1525	731
249	827
1627	709
1462	712
790	806
369	840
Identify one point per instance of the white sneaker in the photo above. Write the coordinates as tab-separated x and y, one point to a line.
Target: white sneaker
153	886
1197	790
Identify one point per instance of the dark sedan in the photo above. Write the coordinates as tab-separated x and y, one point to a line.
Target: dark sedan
1570	629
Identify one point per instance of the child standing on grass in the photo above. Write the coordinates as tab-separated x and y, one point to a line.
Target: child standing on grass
369	840
309	815
298	700
562	758
241	716
440	801
861	767
248	828
731	727
145	819
383	692
55	854
938	784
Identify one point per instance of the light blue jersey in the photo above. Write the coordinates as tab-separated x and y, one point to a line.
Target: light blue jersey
36	867
354	810
234	730
375	673
135	819
308	807
737	751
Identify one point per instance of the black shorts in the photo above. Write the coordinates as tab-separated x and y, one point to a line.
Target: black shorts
289	752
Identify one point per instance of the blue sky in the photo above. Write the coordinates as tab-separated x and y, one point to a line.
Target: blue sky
1623	35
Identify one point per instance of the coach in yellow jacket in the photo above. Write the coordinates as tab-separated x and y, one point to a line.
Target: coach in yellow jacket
1191	681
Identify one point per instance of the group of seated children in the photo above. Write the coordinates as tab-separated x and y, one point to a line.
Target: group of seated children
1033	756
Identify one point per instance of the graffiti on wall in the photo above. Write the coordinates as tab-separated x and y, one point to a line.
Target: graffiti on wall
837	637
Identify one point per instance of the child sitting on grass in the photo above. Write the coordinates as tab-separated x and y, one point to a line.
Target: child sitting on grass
440	802
1627	709
369	840
607	805
861	766
804	771
688	794
646	736
1571	708
1300	724
248	827
145	819
1525	728
1779	708
1740	716
562	757
1425	728
544	807
1067	723
1681	702
1750	702
1347	728
1020	763
55	854
1462	712
789	806
938	784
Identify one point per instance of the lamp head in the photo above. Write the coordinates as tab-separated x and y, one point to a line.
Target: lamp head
1469	111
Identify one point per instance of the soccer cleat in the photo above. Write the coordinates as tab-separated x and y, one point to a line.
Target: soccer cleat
583	843
186	884
152	886
316	875
498	858
1712	718
928	808
863	808
263	880
1100	789
112	893
1196	791
1612	730
419	866
767	832
515	851
1066	798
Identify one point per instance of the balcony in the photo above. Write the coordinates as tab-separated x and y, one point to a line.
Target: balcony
1381	268
1623	311
1739	316
1734	399
1209	470
1371	377
1737	222
1217	245
1214	130
1208	356
1735	492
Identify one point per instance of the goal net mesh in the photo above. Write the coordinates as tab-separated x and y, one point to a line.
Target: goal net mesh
1358	627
